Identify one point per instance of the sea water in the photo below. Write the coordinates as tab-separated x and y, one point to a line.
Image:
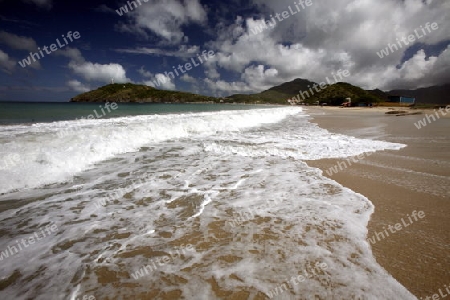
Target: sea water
184	205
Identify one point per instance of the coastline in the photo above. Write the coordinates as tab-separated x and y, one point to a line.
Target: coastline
398	183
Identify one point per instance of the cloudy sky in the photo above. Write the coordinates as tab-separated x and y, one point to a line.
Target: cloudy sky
256	43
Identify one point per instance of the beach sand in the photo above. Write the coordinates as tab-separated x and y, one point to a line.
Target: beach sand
415	178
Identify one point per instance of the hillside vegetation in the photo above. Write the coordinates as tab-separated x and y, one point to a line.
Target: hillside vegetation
333	95
276	95
128	92
337	93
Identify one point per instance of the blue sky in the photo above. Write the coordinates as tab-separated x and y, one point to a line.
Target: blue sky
309	40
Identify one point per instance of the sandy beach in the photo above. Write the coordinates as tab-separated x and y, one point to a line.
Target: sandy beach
415	178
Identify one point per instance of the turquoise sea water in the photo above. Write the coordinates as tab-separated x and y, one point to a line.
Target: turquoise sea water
27	112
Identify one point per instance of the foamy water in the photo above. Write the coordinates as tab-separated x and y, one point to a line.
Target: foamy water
232	185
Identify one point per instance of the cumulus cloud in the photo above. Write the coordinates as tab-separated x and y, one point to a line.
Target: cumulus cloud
73	53
212	73
187	78
328	36
260	78
145	73
78	86
160	81
419	71
7	65
93	71
164	19
221	85
17	42
98	72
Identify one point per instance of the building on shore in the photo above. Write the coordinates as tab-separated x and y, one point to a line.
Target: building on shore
402	100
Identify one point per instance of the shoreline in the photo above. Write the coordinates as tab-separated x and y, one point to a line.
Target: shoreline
399	184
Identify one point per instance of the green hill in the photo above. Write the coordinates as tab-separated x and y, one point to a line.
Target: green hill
276	95
379	94
333	95
337	93
128	92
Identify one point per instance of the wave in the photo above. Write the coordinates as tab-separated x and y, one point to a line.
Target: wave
48	153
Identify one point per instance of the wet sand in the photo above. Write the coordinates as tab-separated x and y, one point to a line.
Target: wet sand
415	178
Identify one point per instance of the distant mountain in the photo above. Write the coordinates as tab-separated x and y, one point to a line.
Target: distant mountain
337	93
379	94
292	87
276	95
128	92
430	95
334	94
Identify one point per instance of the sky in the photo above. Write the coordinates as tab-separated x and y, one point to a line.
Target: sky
232	46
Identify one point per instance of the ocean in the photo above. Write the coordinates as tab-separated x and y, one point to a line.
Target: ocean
190	201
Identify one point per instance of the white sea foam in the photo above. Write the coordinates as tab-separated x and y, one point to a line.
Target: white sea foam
55	152
200	171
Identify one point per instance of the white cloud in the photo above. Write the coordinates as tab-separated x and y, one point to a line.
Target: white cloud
7	65
260	78
160	81
212	73
17	42
98	72
77	86
93	71
187	78
255	78
145	73
165	19
73	53
232	87
328	36
419	72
